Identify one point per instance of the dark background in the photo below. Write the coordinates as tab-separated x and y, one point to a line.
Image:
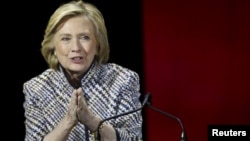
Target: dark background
26	22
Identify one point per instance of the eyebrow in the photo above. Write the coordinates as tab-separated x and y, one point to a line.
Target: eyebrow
64	34
68	34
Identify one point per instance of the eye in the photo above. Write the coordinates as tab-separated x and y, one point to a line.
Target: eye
84	37
65	38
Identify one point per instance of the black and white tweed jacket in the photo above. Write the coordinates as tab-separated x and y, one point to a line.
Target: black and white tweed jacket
109	90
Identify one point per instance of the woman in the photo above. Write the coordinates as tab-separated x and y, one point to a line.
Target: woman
80	88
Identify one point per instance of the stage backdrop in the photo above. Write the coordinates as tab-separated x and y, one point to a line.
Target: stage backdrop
197	65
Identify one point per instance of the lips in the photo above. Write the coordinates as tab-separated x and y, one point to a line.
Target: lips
77	60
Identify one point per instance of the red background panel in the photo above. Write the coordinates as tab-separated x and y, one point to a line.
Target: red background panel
196	65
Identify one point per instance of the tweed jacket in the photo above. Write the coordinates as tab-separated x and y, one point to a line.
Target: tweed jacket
109	90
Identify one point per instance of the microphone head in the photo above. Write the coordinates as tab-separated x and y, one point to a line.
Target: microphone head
147	99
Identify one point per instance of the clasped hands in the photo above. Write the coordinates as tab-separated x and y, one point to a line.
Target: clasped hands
79	112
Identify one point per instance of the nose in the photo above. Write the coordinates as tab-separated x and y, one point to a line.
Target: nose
76	46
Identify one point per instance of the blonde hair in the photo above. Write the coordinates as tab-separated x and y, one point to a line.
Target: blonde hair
63	13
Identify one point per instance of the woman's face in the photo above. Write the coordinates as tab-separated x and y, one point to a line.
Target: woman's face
75	45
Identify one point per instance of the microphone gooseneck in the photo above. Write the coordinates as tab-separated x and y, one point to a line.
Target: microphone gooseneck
183	135
145	101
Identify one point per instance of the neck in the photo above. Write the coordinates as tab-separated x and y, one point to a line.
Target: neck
74	79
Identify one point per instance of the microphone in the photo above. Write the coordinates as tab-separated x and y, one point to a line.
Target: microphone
145	101
183	134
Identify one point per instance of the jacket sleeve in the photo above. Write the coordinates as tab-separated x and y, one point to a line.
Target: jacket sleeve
129	127
34	119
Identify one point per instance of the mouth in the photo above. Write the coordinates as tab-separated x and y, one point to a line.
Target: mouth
76	59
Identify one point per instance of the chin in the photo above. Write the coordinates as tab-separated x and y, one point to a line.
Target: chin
78	69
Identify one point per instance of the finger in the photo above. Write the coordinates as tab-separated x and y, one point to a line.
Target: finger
81	101
73	105
74	98
79	91
80	98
